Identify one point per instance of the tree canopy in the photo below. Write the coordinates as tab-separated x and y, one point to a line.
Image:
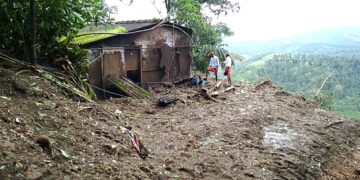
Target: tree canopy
216	6
54	19
207	37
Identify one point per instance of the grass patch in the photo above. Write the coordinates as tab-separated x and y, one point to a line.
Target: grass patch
352	114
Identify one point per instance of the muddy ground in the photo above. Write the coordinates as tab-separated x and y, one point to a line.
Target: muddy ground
255	132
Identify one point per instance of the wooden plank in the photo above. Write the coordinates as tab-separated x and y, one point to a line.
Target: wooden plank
102	75
141	65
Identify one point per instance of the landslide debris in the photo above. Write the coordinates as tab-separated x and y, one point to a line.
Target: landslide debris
254	132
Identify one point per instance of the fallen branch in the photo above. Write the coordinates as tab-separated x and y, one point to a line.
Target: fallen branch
322	85
333	124
207	95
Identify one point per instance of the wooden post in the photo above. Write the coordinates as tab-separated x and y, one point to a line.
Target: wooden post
102	73
141	65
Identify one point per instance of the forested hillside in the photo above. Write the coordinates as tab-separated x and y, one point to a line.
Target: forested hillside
324	41
305	73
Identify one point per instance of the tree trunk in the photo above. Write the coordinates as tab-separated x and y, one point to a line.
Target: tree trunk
32	33
167	5
322	85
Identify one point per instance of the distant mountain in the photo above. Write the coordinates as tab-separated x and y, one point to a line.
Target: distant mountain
324	41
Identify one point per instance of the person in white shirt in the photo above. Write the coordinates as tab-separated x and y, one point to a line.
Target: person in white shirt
227	72
213	66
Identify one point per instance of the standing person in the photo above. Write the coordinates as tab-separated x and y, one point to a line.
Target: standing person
227	72
213	66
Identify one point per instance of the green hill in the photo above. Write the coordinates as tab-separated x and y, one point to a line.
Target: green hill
302	62
305	73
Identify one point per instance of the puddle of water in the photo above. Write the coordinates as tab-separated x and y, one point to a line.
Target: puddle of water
279	136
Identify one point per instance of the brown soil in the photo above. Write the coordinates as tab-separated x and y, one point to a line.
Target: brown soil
254	132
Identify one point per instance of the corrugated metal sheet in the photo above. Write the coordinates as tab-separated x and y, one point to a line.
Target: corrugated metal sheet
138	24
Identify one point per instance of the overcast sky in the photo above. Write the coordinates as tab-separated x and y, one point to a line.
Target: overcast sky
263	19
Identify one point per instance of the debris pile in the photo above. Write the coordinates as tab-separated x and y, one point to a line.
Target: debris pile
257	131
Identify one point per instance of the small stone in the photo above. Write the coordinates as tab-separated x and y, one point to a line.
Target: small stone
43	141
18	129
358	171
21	86
34	173
199	168
19	165
110	149
7	145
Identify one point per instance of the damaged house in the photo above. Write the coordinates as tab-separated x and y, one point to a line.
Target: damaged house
148	53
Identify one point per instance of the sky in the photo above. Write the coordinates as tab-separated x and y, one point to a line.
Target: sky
262	19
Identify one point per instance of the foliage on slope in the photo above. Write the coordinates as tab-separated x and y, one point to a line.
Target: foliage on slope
305	73
54	19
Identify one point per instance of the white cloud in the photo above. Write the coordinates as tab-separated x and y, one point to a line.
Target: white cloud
263	19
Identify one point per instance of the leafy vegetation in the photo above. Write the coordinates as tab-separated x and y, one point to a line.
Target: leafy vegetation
304	74
216	6
54	19
207	37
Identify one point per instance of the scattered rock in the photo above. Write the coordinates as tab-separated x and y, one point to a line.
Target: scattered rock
167	99
19	129
263	84
7	145
44	143
199	168
168	84
34	172
21	86
110	149
150	111
358	171
19	165
249	175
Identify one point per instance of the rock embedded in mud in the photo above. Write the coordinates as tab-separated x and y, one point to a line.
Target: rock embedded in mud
44	143
110	149
199	168
18	165
21	86
34	173
19	129
7	145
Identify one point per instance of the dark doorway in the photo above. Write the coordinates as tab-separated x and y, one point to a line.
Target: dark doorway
132	61
133	75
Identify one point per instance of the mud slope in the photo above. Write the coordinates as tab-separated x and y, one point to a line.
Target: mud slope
255	132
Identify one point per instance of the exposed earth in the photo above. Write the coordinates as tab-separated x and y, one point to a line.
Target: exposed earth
257	131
